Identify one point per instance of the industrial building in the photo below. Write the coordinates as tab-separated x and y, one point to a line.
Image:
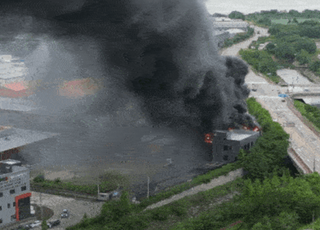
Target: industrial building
11	139
14	192
14	178
227	144
227	23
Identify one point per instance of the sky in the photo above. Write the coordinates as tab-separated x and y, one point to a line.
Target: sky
251	6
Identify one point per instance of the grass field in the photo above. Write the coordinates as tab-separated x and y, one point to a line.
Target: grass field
285	21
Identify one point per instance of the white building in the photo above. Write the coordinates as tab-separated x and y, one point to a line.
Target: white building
14	192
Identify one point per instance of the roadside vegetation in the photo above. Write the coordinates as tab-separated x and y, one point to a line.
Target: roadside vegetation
312	113
108	182
239	38
270	196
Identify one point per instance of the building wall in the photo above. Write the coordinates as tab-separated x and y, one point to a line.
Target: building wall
16	180
227	150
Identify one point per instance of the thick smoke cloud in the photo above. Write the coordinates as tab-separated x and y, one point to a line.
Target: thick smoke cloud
167	55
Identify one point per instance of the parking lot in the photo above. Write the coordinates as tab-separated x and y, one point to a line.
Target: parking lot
77	208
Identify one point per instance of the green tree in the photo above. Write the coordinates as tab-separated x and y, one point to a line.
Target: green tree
294	13
303	57
286	220
114	210
265	21
285	51
236	15
315	66
270	47
305	43
295	20
265	224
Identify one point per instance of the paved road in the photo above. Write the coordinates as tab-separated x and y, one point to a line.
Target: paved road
76	207
303	140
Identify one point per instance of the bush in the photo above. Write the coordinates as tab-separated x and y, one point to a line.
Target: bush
44	225
270	47
39	179
160	214
315	66
265	21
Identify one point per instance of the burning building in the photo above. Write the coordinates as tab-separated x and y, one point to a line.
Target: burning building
159	64
227	144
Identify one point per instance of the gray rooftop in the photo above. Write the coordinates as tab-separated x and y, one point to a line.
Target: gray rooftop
13	137
237	134
10	162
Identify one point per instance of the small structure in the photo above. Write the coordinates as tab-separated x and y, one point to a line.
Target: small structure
227	144
14	192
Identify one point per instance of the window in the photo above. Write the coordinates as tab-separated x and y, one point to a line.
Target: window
12	191
8	205
251	144
0	208
230	147
225	157
1	194
14	204
23	188
225	147
0	221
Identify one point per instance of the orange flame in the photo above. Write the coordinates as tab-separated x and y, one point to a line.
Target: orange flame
245	127
208	138
256	128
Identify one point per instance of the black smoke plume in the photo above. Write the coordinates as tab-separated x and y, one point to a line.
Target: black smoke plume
166	52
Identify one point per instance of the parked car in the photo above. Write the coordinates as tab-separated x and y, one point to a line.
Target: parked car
65	213
53	223
27	227
35	224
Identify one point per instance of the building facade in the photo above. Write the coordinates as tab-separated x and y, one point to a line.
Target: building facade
227	144
14	192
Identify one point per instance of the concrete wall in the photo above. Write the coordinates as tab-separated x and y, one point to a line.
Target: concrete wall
15	181
227	150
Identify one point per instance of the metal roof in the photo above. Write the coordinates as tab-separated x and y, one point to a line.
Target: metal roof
237	134
14	137
10	162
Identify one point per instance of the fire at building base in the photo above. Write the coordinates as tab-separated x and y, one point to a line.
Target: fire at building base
226	144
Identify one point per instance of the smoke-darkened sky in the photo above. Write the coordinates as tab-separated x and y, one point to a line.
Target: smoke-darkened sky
161	53
158	82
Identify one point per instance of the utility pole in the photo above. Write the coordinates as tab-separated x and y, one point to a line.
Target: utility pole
41	207
148	188
98	192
